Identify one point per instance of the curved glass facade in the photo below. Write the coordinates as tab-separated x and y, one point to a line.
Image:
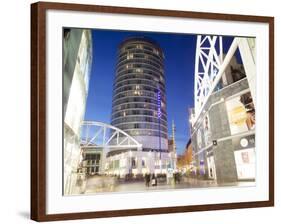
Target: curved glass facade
139	95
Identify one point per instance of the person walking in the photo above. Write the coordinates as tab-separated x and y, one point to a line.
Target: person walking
147	179
169	178
178	177
153	180
175	177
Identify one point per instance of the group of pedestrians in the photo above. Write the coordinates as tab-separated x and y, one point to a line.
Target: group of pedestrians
150	178
172	178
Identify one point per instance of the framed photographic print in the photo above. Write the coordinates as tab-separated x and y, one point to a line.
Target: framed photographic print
142	111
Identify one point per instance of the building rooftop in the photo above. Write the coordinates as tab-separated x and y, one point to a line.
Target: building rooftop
141	38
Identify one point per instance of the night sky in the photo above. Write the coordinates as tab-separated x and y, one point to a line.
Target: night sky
179	50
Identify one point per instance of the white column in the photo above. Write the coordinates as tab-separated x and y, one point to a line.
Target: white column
248	58
139	162
151	161
129	162
103	160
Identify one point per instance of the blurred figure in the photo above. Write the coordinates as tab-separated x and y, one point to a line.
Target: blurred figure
153	180
169	177
147	179
176	177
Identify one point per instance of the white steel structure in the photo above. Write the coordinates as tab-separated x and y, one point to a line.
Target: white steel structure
210	65
100	135
121	153
224	114
207	63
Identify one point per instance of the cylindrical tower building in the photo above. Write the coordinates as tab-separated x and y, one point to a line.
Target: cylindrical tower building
139	97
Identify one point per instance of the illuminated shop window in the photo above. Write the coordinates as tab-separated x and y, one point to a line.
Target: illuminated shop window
122	162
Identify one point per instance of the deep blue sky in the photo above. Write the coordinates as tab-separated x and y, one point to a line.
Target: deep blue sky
179	50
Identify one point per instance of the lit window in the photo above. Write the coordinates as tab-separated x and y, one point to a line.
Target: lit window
155	113
137	92
130	56
139	46
155	51
124	114
139	70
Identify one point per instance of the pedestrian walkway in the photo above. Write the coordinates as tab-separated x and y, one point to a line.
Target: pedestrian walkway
110	184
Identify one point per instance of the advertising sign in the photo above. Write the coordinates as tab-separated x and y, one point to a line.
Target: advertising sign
245	163
241	113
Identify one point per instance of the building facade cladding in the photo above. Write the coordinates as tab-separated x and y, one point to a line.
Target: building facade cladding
223	135
215	144
77	66
139	95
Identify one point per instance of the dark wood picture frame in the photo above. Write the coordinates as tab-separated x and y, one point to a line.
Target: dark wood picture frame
38	110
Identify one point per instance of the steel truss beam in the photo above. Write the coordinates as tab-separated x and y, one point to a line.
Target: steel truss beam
100	135
210	65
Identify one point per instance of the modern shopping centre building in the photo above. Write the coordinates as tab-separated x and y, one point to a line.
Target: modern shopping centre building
77	62
223	120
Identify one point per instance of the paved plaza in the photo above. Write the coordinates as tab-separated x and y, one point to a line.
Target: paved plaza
102	184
